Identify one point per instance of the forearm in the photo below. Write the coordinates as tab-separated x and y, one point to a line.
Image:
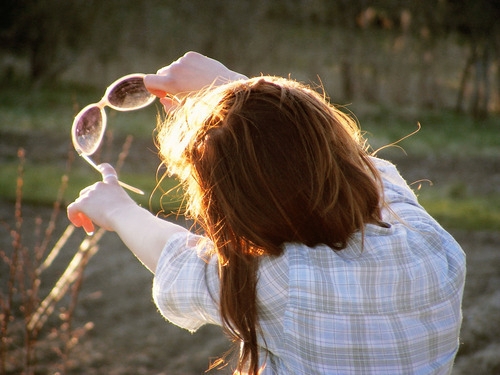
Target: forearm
144	234
107	205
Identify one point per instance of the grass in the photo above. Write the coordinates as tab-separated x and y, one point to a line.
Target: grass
442	132
51	110
468	213
41	181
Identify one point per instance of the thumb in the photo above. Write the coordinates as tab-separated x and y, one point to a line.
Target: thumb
154	85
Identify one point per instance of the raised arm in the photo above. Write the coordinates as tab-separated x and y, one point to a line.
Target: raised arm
107	205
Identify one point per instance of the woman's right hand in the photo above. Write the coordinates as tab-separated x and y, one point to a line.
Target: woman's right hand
108	206
190	73
98	204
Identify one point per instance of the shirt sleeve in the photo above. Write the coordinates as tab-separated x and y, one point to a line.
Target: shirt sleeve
396	190
186	282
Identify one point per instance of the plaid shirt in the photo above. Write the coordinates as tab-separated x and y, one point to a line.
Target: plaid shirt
393	307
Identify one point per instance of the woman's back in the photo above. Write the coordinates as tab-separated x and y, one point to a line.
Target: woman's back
391	307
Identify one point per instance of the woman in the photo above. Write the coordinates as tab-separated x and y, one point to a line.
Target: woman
315	257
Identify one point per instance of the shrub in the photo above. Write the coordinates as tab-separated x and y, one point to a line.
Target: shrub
29	326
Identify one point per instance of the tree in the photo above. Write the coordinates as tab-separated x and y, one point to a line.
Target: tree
476	23
49	33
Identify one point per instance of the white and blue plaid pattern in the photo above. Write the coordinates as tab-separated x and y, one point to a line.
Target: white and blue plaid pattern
393	307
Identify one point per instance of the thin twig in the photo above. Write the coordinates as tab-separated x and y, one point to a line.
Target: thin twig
88	245
56	249
124	153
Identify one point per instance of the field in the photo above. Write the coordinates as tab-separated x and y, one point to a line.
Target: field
452	162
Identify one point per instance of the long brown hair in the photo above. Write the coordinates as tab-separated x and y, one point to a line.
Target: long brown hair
267	161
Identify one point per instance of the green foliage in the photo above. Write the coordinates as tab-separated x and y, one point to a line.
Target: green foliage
55	36
45	109
52	109
469	213
442	132
41	181
48	32
474	19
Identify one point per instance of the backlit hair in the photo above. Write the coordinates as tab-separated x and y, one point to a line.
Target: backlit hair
267	161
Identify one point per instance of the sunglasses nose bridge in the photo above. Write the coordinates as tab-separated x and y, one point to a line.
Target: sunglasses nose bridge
103	103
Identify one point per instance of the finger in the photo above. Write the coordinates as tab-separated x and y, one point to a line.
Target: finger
166	69
84	191
156	85
108	173
79	219
74	216
157	93
87	224
178	81
169	103
110	178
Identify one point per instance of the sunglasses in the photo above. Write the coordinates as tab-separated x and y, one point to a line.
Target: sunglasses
127	93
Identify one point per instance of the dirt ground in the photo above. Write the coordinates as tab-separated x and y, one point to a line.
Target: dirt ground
130	337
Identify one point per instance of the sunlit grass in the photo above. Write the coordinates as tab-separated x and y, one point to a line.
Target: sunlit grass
470	213
442	132
41	183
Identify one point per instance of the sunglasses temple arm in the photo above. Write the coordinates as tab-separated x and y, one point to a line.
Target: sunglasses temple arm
130	187
121	183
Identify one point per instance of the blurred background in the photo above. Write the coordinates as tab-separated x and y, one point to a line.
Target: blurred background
430	53
394	63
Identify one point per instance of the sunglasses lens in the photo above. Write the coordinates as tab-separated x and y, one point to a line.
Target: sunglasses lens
130	94
88	131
